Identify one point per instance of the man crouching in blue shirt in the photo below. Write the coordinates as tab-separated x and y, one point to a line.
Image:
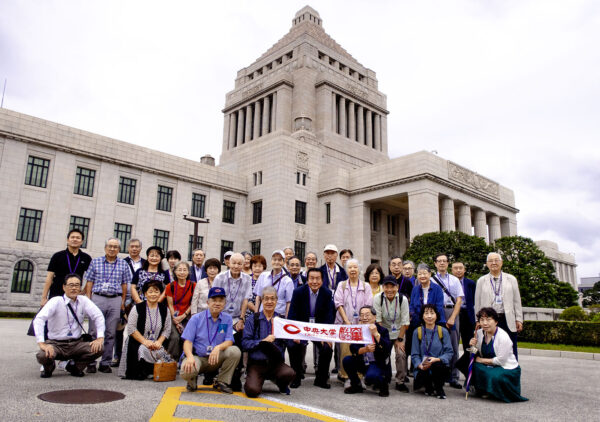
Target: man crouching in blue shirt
208	345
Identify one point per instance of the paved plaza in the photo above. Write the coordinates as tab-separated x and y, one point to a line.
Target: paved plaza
557	388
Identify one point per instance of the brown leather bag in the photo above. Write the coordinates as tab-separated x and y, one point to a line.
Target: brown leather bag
165	371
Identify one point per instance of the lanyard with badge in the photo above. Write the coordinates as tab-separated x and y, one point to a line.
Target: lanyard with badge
70	332
231	306
394	326
428	345
210	346
72	270
107	279
153	325
497	289
331	276
276	283
353	302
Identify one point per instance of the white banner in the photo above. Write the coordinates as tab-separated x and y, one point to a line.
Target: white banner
297	330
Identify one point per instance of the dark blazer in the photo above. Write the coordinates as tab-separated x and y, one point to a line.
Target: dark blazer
193	273
382	351
300	305
128	260
435	296
339	275
469	290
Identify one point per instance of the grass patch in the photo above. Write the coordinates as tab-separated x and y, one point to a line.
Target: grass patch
561	347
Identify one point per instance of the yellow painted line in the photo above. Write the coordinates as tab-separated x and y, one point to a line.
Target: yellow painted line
194	420
165	410
230	406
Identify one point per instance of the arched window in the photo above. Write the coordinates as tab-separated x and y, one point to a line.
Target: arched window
22	277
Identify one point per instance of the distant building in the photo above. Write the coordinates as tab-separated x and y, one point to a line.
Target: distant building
587	283
564	263
304	162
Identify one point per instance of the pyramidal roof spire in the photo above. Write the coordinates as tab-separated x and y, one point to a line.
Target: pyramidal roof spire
307	14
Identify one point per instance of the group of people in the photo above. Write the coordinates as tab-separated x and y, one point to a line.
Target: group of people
218	321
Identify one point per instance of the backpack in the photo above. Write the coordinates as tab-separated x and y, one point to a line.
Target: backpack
420	332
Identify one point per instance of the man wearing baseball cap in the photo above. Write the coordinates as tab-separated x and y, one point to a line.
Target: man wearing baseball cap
208	345
333	273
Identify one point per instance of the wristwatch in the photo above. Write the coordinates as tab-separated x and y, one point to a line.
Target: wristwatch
400	339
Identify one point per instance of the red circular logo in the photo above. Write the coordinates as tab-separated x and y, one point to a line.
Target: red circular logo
291	328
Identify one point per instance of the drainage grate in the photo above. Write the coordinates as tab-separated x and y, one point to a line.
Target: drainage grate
81	396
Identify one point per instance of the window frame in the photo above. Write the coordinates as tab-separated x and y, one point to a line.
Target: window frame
228	211
84	183
41	180
300	212
126	192
25	231
16	285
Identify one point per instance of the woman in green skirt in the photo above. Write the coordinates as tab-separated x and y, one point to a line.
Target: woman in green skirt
496	371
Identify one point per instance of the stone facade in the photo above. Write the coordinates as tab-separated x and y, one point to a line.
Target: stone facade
564	263
304	136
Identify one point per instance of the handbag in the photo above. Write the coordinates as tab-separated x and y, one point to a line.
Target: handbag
164	371
85	336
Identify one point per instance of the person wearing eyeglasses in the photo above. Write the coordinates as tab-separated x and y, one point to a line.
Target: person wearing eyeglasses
500	291
64	315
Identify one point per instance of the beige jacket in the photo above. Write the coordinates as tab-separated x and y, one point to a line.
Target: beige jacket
511	298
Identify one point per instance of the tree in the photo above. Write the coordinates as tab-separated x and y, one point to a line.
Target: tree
535	273
471	250
592	296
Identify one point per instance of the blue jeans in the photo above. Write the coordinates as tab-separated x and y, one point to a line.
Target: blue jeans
374	374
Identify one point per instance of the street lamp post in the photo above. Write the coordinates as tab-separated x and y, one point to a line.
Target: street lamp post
196	221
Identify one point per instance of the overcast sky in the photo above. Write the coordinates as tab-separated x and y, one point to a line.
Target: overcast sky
510	89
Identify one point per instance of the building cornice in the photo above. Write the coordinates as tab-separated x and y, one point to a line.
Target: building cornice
249	93
350	92
423	176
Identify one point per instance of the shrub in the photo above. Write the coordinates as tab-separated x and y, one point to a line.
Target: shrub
596	317
561	332
574	313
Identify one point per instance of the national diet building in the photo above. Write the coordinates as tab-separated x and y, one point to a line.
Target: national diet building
304	163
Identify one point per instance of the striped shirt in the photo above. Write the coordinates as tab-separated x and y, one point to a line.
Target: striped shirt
108	277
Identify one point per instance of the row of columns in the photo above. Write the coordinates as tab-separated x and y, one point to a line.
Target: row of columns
356	122
487	225
252	121
565	272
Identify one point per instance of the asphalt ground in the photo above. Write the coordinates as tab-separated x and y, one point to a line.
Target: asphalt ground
558	389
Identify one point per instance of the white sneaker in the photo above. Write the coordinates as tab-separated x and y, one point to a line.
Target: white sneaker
364	386
347	383
42	368
63	365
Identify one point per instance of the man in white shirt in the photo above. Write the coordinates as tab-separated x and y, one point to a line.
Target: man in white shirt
64	315
453	298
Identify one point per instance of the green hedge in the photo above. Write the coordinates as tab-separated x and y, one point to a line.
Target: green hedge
561	332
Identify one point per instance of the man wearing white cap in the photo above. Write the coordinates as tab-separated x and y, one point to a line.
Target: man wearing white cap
333	273
277	279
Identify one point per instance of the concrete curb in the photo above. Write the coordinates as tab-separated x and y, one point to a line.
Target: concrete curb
559	354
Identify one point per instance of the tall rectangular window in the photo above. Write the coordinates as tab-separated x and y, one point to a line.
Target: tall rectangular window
126	190
199	240
300	212
301	178
226	245
30	222
37	172
161	239
300	249
83	224
255	247
327	213
164	198
228	212
257	178
84	181
375	215
123	233
257	212
392	224
198	205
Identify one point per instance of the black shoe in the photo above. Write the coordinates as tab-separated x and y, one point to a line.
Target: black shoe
72	369
47	372
353	389
456	385
105	369
323	384
334	371
402	387
384	391
285	390
441	394
406	380
222	387
209	379
91	369
296	383
115	363
236	385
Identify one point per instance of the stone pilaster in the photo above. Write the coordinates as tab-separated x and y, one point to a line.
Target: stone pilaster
266	115
377	130
423	212
494	225
351	121
480	224
464	219
448	222
248	124
369	124
360	126
240	127
256	125
342	115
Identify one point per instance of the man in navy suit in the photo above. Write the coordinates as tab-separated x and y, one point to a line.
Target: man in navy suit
197	270
467	310
312	302
332	272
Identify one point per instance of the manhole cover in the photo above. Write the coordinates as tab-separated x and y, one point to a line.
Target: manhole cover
81	396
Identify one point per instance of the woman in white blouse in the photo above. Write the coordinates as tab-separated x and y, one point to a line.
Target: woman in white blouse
496	371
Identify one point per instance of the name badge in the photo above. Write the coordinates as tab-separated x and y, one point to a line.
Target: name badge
394	328
230	309
498	300
209	349
311	320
